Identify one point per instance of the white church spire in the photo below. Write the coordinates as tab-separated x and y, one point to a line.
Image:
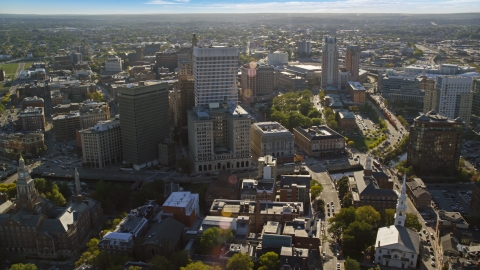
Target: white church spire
400	214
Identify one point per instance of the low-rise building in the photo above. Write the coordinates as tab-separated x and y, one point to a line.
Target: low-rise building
113	64
293	188
318	140
449	221
259	212
357	92
163	239
32	102
30	144
255	190
32	118
346	120
102	144
271	138
305	232
418	193
183	207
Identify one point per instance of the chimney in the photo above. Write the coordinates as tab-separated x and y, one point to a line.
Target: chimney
378	243
304	263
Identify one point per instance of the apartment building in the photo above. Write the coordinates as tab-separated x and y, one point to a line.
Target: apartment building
92	112
144	120
271	138
435	144
102	144
219	137
352	62
329	62
65	126
402	86
277	58
30	144
452	97
303	48
32	118
167	59
215	72
316	140
256	81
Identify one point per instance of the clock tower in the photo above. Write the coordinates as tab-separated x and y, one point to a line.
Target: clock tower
27	195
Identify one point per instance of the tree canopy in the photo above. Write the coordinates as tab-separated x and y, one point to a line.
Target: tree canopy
212	239
295	109
50	190
240	261
21	266
269	261
351	264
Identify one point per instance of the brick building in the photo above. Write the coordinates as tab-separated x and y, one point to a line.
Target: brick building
30	144
305	232
293	188
357	92
183	207
346	120
475	202
32	102
223	186
418	193
256	81
257	190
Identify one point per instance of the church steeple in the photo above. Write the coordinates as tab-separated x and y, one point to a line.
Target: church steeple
78	188
400	214
367	171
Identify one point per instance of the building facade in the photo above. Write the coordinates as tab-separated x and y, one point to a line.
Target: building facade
144	122
113	65
102	144
215	74
303	48
256	80
435	144
357	92
452	97
317	140
219	137
418	193
352	62
277	58
32	102
329	62
30	144
65	126
167	59
32	118
271	138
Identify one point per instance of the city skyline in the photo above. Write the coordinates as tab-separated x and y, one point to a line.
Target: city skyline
57	7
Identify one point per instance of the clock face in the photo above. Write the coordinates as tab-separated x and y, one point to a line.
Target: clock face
20	174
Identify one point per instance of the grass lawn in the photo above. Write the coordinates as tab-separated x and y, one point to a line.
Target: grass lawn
362	143
10	69
28	64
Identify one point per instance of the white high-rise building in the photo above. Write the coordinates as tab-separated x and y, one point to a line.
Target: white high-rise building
453	97
329	62
215	73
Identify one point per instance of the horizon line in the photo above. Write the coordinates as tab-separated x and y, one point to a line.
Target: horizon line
233	13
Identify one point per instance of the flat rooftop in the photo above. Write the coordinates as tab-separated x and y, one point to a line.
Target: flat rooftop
179	199
356	86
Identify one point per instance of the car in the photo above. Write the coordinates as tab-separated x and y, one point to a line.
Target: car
432	263
432	258
324	258
338	265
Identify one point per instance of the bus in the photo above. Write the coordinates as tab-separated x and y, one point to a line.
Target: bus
288	164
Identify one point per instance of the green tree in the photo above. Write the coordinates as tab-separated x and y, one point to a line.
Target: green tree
342	186
161	263
351	143
417	53
402	121
149	191
269	261
316	190
239	261
387	217
367	214
50	190
96	96
9	189
180	259
342	219
108	261
351	264
412	222
213	238
65	190
135	267
21	266
347	200
304	107
198	266
363	234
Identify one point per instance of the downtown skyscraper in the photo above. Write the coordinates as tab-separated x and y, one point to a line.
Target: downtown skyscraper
215	75
329	62
352	62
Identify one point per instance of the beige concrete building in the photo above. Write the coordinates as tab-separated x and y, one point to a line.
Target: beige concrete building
32	118
143	111
316	140
102	144
92	112
271	138
219	137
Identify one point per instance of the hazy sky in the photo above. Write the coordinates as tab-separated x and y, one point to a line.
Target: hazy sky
229	6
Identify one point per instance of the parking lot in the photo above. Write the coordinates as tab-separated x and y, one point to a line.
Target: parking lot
452	200
471	154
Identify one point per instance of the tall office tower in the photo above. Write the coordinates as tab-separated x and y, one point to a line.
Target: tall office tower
329	62
144	121
303	48
476	105
219	137
451	98
215	73
428	87
352	61
166	59
257	81
435	144
139	53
